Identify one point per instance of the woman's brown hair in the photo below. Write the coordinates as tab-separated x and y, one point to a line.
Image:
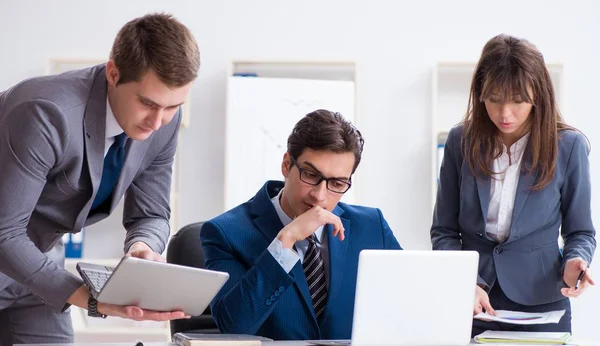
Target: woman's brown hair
512	66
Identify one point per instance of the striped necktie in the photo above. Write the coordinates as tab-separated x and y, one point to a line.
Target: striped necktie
314	270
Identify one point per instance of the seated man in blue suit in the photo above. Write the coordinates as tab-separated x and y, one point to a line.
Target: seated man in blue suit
292	250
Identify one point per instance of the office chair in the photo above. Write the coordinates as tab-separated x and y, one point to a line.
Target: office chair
185	249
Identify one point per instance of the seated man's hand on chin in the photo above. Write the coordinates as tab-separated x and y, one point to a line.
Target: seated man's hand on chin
306	224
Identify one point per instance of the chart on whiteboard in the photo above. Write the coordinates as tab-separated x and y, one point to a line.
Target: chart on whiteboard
261	113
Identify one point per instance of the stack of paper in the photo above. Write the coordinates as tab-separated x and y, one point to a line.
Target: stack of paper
198	339
523	338
517	317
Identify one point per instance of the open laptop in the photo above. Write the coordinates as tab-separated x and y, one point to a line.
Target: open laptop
153	285
413	298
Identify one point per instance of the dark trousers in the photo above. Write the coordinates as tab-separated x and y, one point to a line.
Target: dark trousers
500	301
24	319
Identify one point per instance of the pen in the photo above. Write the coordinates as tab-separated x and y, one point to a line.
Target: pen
579	278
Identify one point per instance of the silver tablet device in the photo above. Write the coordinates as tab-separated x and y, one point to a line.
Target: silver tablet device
153	285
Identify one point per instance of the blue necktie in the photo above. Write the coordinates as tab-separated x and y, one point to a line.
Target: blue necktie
113	163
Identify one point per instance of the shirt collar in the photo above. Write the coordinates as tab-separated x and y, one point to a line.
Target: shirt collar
286	220
112	126
518	147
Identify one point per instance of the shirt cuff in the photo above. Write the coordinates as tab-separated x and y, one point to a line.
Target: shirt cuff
287	258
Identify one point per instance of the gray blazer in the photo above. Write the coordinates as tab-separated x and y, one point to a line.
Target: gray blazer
528	264
52	135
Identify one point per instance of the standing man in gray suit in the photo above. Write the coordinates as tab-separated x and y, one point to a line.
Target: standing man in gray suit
71	146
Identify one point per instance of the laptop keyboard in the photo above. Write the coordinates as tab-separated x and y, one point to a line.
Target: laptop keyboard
98	278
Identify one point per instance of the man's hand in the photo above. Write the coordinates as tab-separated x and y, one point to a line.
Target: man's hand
81	295
139	314
482	302
142	250
306	224
573	268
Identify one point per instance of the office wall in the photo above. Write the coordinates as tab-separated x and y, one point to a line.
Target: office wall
395	45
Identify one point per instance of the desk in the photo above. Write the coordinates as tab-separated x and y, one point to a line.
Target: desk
269	343
266	343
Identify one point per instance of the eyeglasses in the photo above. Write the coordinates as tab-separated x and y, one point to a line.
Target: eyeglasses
313	178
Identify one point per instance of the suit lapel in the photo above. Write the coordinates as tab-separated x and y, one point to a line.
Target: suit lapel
302	287
269	224
483	189
94	127
526	182
266	218
337	261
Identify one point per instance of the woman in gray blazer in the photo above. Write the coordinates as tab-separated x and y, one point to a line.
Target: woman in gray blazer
513	175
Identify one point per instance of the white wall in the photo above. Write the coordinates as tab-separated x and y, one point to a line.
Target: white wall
395	45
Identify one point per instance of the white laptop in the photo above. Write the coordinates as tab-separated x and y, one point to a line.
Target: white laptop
414	298
153	285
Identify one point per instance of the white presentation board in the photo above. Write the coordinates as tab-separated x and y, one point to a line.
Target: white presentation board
261	113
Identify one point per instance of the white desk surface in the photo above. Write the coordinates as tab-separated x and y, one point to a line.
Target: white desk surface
266	343
269	343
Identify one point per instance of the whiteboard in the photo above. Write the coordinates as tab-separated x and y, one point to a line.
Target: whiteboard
261	113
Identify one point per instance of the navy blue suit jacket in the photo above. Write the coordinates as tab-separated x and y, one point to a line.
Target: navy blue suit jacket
528	264
260	297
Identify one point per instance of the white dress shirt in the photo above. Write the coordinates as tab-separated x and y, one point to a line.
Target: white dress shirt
503	190
112	128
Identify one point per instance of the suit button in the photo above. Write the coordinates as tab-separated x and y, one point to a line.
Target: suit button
268	302
281	289
499	250
480	235
277	294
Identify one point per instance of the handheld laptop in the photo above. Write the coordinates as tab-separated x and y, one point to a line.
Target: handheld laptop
153	285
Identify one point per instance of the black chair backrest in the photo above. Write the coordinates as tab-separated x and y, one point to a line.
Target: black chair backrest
185	249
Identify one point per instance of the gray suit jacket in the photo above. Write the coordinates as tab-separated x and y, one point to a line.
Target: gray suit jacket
52	135
529	263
